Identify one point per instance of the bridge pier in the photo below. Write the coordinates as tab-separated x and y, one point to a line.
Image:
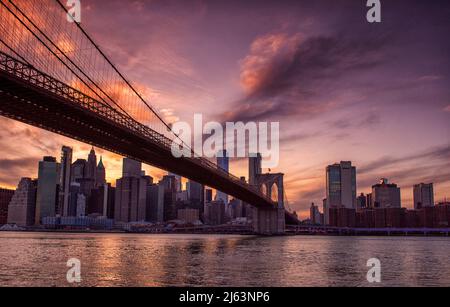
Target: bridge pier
269	221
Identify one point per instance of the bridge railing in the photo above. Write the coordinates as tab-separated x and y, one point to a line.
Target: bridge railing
39	79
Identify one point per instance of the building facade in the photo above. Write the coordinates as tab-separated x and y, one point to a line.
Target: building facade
423	196
5	198
386	195
23	204
340	187
47	189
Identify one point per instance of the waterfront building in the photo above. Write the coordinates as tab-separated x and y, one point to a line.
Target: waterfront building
315	216
386	195
361	202
223	162
5	198
91	167
423	196
215	213
65	180
22	207
196	195
78	170
188	215
131	193
155	203
47	189
178	182
101	174
340	187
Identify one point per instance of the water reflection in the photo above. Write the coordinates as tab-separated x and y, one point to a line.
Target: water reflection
32	259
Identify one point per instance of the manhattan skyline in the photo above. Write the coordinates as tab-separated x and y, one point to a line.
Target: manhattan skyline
375	96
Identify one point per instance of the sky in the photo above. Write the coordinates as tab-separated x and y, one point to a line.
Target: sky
341	88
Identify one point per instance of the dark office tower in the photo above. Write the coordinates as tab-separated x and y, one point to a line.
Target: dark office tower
223	162
131	168
196	195
361	202
47	196
254	168
79	169
131	193
170	196
96	201
22	208
155	203
369	200
65	180
215	213
169	183
208	195
341	187
101	174
386	195
110	203
423	196
75	190
5	198
91	171
178	180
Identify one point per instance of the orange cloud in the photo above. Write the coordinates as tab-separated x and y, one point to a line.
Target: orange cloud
265	52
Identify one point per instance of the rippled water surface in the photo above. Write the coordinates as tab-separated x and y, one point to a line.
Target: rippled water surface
39	259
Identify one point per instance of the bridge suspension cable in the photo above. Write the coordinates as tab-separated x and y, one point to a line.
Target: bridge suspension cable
38	33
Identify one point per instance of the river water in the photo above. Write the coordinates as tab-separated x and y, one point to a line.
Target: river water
40	259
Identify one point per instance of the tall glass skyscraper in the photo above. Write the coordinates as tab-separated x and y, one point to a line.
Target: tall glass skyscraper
223	161
341	187
46	198
64	183
423	195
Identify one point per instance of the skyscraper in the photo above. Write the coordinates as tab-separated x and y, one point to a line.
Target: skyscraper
23	204
314	215
131	193
131	168
361	202
169	184
79	168
47	197
423	195
101	174
223	162
386	195
196	193
91	171
341	187
178	183
5	198
155	203
65	180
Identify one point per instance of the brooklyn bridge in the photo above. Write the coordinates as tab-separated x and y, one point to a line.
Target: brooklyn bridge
55	77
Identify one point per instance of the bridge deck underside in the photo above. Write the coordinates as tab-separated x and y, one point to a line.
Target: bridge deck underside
35	106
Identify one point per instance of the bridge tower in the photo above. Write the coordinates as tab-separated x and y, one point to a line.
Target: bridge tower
268	221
